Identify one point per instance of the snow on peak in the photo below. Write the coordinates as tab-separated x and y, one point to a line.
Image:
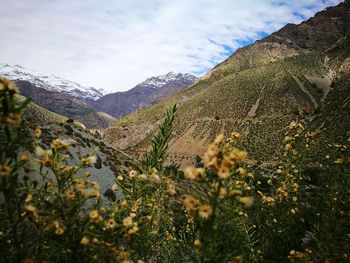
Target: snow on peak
50	82
159	81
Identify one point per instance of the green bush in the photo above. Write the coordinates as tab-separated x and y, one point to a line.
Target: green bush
228	208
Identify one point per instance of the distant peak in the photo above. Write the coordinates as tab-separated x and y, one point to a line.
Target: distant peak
170	77
49	82
171	73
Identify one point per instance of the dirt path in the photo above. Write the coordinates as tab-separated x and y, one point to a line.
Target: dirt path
306	91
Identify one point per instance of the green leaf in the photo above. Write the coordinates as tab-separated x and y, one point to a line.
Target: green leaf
157	156
23	104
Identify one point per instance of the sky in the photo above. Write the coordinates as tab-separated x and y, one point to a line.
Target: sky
116	44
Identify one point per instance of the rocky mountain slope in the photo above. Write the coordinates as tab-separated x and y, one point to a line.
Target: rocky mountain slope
50	82
300	72
65	104
143	95
110	162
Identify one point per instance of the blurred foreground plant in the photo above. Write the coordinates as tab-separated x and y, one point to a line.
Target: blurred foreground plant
50	210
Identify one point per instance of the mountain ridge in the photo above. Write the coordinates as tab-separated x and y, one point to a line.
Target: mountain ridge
50	82
146	93
65	104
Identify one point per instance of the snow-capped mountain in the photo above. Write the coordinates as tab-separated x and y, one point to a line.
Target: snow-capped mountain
148	92
160	81
50	82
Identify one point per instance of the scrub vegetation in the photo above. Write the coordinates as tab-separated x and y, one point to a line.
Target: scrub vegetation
227	207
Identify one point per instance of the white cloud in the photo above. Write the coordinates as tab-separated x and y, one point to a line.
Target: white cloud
116	44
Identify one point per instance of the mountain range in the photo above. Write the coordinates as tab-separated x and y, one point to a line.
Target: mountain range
89	105
66	105
50	82
148	92
301	72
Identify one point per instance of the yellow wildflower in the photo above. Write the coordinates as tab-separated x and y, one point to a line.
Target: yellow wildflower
241	171
197	244
93	214
70	194
59	231
60	144
171	189
5	170
293	254
124	204
224	172
222	193
133	230
12	87
205	211
24	157
143	177
14	119
127	221
89	193
190	204
219	139
84	241
210	156
235	192
43	153
133	215
66	169
28	198
98	219
213	162
37	133
95	185
31	208
110	224
89	160
339	161
8	85
192	174
288	147
287	138
132	174
247	201
154	177
235	135
237	155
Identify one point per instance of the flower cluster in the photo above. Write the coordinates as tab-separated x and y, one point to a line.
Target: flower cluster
223	179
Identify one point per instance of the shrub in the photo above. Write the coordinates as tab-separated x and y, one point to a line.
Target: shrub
227	208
